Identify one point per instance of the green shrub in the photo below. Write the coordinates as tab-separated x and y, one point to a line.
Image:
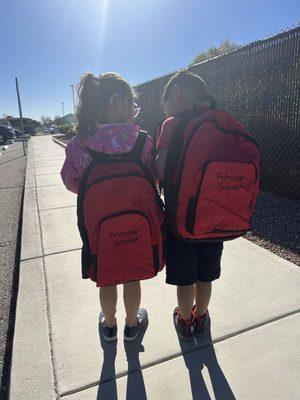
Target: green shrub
67	129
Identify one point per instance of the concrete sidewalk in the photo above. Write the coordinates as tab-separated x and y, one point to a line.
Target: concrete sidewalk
57	351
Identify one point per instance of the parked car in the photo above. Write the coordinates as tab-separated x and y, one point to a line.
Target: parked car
18	133
29	129
49	130
54	129
6	134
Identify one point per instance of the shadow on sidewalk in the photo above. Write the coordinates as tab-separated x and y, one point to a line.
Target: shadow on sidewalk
135	382
200	353
13	159
107	386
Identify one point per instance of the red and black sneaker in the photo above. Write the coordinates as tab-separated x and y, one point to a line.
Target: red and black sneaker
200	323
183	327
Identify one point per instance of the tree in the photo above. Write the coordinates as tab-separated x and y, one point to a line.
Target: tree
57	119
28	123
225	47
46	120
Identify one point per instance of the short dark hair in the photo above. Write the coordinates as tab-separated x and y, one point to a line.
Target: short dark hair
188	80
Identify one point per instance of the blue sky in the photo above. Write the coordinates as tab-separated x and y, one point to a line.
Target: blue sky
48	44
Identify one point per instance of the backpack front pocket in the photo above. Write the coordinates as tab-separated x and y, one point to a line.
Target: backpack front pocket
223	202
125	252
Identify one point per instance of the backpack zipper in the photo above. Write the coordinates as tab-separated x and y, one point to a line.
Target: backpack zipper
116	176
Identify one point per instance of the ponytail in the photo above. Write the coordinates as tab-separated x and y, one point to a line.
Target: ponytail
94	94
88	105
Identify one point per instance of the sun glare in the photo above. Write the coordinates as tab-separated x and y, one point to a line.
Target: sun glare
103	22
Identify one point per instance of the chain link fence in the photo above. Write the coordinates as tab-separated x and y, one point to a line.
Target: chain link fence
260	85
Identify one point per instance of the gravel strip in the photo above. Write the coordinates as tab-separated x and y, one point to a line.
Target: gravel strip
276	226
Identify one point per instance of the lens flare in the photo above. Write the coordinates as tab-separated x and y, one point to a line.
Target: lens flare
103	23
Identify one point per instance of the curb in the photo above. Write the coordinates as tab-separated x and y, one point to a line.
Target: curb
21	140
31	370
59	142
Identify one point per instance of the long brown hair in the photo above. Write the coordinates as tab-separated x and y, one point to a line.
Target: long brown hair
94	94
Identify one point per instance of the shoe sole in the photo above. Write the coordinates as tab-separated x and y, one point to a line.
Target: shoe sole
107	338
133	338
110	339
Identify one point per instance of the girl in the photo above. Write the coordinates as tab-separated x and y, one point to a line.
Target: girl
105	112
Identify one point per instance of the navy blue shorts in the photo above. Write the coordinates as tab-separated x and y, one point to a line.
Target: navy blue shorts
188	263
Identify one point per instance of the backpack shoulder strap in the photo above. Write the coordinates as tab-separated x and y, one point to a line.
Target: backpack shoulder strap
176	144
227	123
139	145
157	131
156	136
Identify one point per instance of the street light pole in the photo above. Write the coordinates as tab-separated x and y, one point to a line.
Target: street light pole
21	116
72	86
63	111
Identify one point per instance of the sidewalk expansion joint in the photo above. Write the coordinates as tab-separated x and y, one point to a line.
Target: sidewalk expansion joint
41	186
61	252
31	258
56	208
11	187
49	254
180	354
256	326
48	173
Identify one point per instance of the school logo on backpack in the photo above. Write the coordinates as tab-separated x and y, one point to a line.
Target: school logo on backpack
211	178
120	219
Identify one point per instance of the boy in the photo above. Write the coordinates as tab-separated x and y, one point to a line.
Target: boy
190	266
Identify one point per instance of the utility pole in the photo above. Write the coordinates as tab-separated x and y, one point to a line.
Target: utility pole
72	86
21	116
63	111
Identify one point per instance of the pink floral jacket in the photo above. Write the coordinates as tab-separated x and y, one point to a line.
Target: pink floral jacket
109	139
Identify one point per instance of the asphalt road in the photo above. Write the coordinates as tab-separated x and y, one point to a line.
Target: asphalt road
12	174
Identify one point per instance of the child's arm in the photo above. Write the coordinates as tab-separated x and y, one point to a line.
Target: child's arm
147	156
77	159
160	164
163	146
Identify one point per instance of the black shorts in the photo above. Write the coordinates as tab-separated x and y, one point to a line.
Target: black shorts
188	263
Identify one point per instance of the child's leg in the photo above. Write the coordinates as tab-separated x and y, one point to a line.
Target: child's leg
132	301
108	300
185	296
202	296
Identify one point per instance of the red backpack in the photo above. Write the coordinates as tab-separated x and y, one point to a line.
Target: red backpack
120	219
211	178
